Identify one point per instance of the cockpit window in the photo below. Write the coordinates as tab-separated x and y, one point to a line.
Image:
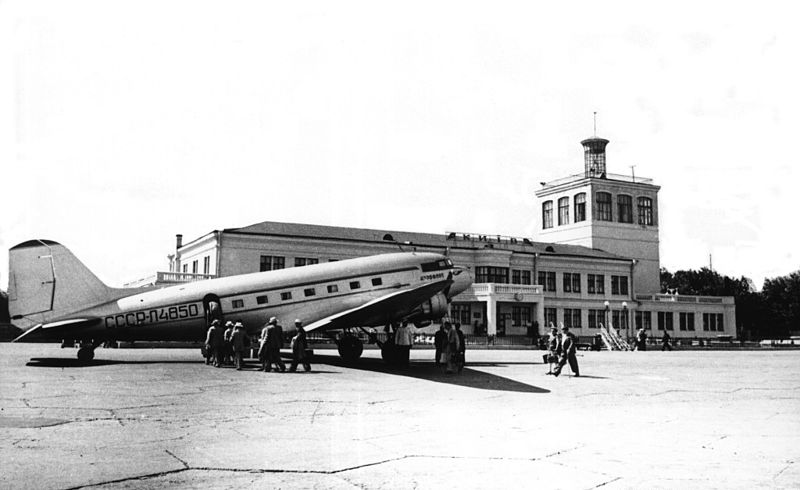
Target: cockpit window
437	266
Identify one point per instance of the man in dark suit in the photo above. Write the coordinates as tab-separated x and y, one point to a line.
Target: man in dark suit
569	347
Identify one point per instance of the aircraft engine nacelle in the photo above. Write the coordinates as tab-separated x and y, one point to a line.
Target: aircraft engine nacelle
433	309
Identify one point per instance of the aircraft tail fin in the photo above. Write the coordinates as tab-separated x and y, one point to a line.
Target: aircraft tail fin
45	281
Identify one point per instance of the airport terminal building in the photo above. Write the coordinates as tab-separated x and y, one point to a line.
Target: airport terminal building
593	260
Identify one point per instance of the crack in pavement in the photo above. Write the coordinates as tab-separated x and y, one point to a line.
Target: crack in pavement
777	475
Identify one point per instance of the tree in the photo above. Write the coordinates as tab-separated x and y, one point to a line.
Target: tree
782	299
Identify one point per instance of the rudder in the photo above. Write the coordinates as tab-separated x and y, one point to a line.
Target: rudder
46	281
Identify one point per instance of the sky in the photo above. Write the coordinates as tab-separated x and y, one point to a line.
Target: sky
125	123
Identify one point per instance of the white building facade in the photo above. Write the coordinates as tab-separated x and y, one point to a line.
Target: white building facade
593	260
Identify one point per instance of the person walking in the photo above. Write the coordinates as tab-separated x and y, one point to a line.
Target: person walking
226	340
274	342
237	345
665	342
403	339
210	336
461	357
439	341
641	339
299	345
569	347
553	349
451	349
262	347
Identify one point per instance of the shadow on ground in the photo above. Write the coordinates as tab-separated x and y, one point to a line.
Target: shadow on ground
61	362
430	372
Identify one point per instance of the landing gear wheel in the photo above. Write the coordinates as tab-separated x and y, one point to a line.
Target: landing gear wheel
350	347
86	353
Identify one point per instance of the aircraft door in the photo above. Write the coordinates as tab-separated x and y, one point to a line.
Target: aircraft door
212	307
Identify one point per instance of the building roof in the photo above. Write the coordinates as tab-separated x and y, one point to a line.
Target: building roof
450	239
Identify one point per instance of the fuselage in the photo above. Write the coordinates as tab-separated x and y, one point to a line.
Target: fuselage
306	293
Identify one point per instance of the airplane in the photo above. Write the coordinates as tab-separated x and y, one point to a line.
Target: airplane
54	296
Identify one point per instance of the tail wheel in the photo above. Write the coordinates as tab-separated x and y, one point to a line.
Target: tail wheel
86	353
350	347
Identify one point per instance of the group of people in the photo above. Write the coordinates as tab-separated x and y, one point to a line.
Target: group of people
562	349
450	347
640	342
227	347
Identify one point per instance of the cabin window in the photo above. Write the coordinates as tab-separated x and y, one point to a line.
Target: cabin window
261	299
286	296
377	281
355	285
238	303
333	288
309	292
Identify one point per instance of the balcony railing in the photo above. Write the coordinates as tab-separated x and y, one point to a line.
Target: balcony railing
609	176
677	298
166	278
489	288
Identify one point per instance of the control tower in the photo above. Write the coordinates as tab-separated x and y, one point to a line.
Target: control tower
612	212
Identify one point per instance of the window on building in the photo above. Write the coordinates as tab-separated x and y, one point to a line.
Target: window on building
309	292
713	322
516	276
237	303
185	268
563	211
580	207
645	205
355	285
616	319
603	206
596	317
206	265
194	267
333	288
572	282
550	317
520	316
619	285
624	208
547	280
301	261
333	260
526	278
596	284
547	214
286	296
572	317
644	320
461	313
262	299
272	263
686	321
485	274
377	281
665	320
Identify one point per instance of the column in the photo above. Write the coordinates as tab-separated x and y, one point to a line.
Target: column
491	315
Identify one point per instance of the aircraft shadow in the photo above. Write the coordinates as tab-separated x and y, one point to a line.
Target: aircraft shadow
430	372
62	362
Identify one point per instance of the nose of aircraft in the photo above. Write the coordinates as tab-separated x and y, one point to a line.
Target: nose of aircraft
462	279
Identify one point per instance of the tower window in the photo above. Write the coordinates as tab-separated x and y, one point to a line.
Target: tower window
580	207
547	214
645	210
563	211
625	208
603	206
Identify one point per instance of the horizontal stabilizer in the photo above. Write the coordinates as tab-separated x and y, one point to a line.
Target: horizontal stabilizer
380	309
58	330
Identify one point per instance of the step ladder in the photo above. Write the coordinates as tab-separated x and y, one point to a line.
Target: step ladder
611	338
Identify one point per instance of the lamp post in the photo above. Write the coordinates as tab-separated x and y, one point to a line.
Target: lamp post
606	304
625	319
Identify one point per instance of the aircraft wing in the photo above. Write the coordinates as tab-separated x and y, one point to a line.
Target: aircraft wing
57	330
380	308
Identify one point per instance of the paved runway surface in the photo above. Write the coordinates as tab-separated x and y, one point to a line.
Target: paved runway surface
142	418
